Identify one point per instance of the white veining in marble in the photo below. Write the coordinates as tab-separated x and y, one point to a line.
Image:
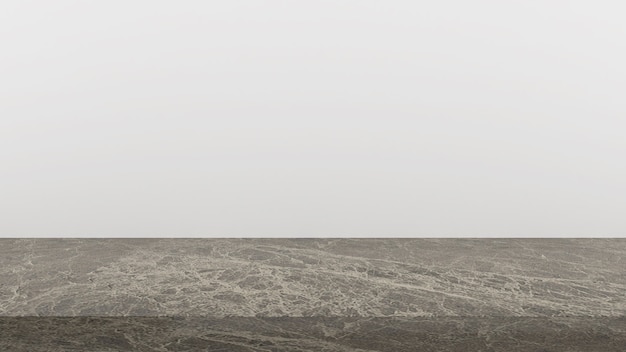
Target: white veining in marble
313	277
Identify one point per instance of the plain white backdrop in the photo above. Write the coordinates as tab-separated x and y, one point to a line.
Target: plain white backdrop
312	118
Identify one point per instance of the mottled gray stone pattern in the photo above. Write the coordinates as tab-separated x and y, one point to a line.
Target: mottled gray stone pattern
312	295
398	334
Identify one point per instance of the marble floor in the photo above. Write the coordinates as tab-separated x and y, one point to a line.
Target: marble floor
312	295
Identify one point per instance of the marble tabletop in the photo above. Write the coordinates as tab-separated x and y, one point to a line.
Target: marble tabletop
313	294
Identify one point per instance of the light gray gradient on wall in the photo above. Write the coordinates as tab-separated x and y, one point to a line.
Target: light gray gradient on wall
312	118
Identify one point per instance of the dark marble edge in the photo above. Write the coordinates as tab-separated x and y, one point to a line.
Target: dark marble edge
312	334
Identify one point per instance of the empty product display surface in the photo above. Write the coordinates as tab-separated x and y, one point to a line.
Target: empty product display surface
312	295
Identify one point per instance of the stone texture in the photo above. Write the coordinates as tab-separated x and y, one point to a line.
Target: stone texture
334	334
312	294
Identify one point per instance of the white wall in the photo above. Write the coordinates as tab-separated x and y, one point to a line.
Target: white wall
312	118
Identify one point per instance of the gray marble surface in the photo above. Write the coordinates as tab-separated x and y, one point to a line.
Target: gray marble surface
313	294
321	277
286	334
